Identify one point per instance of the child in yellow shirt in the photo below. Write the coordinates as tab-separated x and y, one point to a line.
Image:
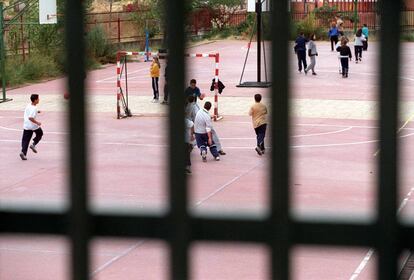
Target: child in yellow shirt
155	75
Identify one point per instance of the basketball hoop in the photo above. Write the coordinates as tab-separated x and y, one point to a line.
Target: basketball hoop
47	12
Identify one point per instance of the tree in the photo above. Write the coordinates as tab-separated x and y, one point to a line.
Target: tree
326	14
222	10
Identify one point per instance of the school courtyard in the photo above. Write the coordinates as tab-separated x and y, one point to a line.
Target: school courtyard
334	150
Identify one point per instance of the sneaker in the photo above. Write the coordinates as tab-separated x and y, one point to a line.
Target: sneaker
221	152
306	72
164	102
22	156
188	170
33	148
217	158
313	73
259	151
154	100
204	156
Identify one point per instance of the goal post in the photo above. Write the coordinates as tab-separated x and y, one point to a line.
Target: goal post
123	109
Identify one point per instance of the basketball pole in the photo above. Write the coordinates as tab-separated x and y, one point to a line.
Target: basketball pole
258	83
3	26
2	56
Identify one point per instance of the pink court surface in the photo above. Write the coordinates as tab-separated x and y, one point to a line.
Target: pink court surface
334	140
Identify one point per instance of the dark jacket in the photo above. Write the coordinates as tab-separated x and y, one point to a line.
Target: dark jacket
300	44
220	86
344	51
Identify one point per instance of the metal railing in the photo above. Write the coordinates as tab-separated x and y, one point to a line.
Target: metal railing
279	231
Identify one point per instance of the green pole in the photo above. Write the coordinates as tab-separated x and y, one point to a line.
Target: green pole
2	55
355	15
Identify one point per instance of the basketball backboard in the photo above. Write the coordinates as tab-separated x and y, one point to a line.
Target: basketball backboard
251	5
47	12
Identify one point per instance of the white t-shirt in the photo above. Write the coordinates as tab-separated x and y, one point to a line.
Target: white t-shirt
188	125
30	112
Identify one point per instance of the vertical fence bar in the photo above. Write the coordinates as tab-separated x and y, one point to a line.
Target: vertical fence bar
78	216
2	53
179	234
22	36
119	30
388	176
279	218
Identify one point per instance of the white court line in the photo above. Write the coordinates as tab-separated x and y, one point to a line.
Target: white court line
112	78
325	125
227	147
323	133
114	259
140	243
371	251
40	251
227	184
6	117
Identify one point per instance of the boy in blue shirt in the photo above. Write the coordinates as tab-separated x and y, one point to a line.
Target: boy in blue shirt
333	34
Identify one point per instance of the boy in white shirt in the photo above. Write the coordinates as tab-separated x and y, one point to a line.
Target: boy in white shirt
31	125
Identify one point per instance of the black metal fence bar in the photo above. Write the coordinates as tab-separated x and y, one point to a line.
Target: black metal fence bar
388	236
178	220
279	231
78	181
279	220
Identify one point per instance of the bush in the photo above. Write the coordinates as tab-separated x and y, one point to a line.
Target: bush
97	45
308	26
407	36
35	67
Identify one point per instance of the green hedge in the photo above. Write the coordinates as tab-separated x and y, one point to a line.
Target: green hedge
34	68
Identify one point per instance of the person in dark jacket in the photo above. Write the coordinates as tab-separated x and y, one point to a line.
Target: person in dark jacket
333	34
345	55
165	101
300	50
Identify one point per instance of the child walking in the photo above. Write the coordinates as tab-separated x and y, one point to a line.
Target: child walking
30	125
300	50
345	55
358	45
333	34
313	53
365	32
155	75
189	138
258	112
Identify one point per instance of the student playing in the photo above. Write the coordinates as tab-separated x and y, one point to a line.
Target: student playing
358	45
155	76
258	111
313	53
345	55
300	50
189	138
194	91
203	135
30	125
333	35
365	32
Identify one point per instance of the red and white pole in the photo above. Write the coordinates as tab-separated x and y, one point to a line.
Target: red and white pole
118	84
216	75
